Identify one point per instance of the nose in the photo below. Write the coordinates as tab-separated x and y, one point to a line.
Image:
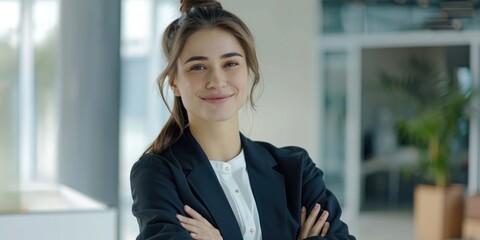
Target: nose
216	79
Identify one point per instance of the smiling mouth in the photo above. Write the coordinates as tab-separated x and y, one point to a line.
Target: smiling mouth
217	99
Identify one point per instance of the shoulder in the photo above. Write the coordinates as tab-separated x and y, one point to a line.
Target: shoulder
150	160
282	155
150	165
287	152
291	161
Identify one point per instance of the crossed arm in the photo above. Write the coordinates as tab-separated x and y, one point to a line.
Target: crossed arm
200	229
157	202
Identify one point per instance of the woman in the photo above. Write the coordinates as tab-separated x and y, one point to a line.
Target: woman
201	178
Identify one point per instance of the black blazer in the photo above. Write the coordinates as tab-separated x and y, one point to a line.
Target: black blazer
282	180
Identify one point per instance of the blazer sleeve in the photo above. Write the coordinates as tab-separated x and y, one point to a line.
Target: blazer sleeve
315	191
155	199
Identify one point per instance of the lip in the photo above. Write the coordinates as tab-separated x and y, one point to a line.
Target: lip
217	98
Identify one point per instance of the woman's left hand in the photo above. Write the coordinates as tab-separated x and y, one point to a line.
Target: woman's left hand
199	227
310	226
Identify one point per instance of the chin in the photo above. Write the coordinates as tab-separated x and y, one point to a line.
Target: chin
219	118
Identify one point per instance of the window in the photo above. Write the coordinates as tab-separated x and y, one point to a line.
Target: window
27	92
9	102
400	15
142	110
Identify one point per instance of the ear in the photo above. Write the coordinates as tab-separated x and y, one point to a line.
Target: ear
174	88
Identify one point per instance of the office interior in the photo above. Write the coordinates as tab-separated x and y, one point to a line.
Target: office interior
79	104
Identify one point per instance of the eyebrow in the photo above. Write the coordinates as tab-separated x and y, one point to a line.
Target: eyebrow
202	58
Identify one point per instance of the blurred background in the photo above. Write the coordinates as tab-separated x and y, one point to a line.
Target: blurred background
79	104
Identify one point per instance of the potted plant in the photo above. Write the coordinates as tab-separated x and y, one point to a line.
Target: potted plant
442	103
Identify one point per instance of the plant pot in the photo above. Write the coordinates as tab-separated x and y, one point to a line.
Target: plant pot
438	212
471	228
472	207
471	223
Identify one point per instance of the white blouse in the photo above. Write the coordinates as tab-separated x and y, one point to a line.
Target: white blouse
233	178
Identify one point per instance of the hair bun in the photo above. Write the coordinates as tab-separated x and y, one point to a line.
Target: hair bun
186	5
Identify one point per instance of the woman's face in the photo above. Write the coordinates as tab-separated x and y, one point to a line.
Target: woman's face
212	77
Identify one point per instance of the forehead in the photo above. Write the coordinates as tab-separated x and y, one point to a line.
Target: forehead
210	43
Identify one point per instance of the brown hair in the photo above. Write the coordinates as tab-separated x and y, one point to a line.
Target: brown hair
197	15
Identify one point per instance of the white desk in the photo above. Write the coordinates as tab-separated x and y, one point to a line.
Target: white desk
58	212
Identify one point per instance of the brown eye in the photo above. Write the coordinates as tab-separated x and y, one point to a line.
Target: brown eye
197	68
231	64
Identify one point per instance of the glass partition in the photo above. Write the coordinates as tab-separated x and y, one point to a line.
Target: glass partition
9	52
387	154
345	16
142	112
45	15
334	154
27	96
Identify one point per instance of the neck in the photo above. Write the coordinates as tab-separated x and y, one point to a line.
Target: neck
219	140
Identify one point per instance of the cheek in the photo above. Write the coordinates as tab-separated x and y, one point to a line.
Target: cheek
243	81
187	88
248	83
244	86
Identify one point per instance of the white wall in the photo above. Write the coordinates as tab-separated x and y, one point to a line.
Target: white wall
285	33
89	107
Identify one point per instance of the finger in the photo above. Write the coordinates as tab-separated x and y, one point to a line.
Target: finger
184	219
196	232
206	235
199	236
198	229
310	221
325	229
190	228
302	222
195	215
194	236
303	215
191	221
315	231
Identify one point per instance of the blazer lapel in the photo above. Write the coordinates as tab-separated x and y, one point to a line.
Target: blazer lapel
268	188
205	185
